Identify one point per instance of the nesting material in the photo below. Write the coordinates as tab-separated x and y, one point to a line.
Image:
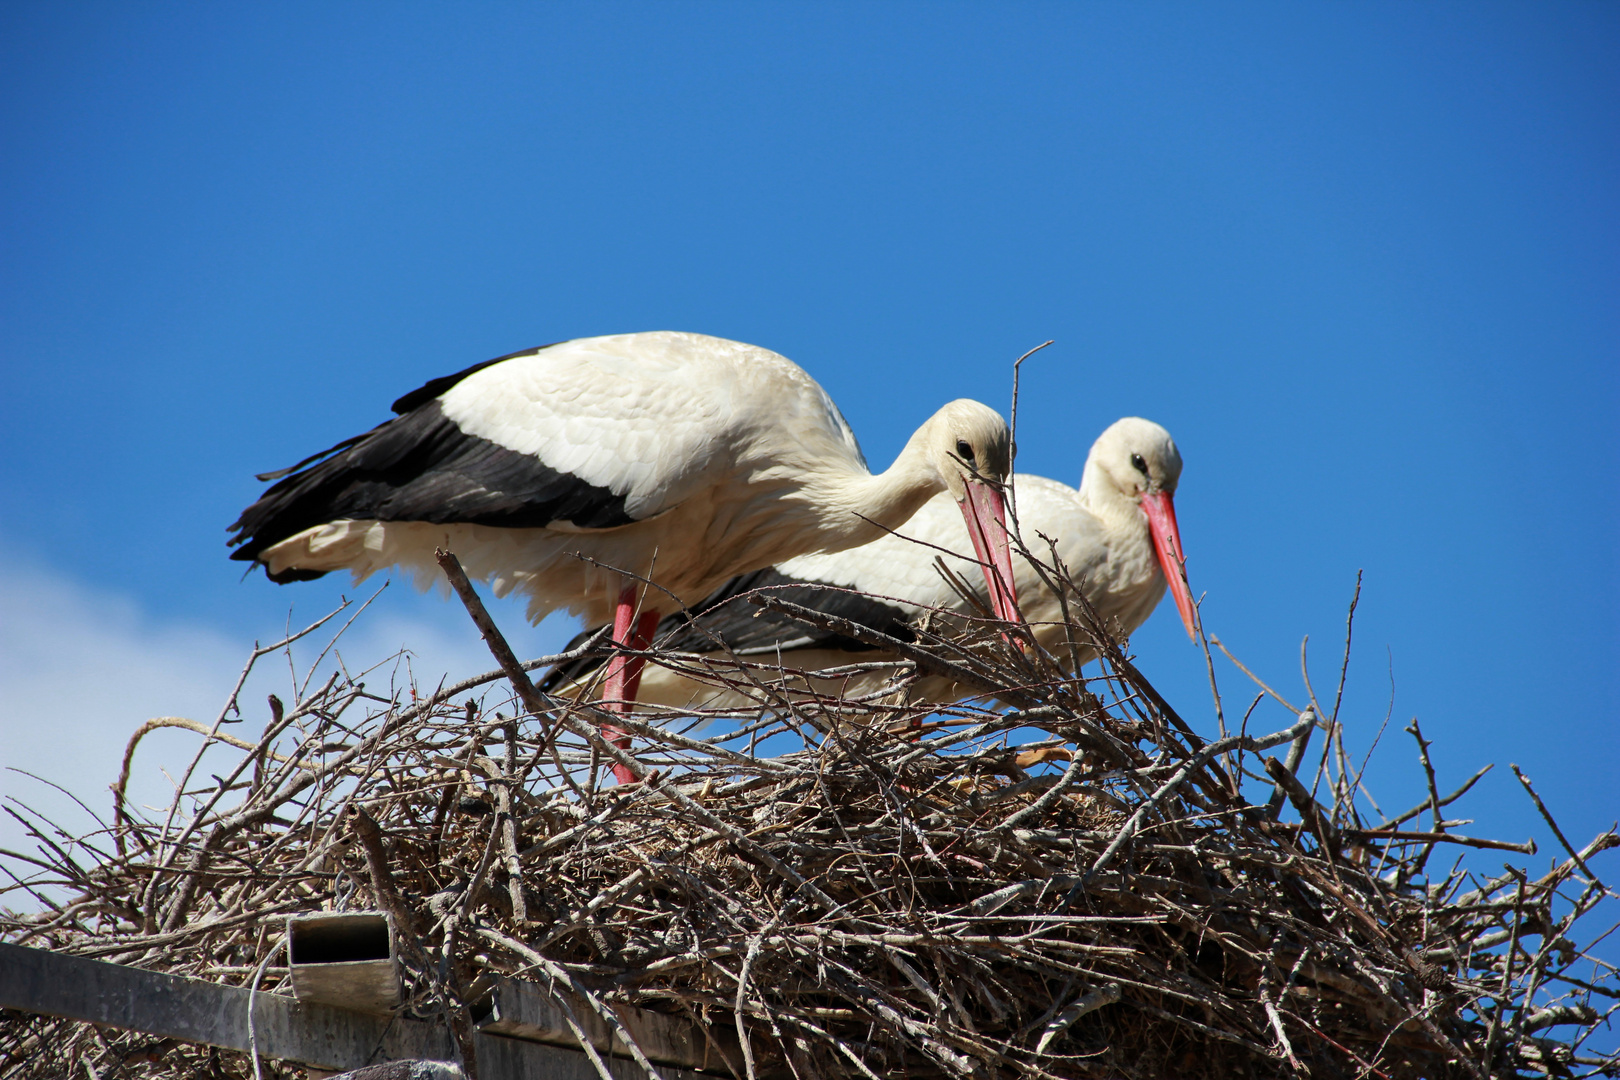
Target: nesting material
1060	880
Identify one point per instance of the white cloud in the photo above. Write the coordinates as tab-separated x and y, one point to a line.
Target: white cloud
82	669
79	672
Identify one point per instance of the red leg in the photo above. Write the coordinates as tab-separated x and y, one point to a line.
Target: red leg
624	673
646	627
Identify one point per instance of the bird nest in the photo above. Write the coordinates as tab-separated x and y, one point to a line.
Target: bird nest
1055	879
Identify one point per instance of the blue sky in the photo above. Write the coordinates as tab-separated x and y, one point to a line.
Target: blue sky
1362	261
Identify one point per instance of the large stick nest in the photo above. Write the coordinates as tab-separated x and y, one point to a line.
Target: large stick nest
1059	879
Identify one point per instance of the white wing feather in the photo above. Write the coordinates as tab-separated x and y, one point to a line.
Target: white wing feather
652	416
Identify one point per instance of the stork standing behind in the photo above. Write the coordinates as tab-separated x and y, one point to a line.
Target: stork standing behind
1117	536
572	472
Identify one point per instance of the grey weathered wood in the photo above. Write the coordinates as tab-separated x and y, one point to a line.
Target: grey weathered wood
195	1010
526	1011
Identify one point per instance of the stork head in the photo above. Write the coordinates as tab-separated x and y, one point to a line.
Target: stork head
971	447
968	441
1136	462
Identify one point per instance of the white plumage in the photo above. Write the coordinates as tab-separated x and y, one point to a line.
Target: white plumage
567	473
1116	536
656	417
703	457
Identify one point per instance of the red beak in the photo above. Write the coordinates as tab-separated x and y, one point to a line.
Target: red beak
986	515
1161	515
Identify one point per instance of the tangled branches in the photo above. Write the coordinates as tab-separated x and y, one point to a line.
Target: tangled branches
1059	881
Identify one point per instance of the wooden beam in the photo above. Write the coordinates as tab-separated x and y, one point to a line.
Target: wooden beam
197	1011
525	1011
213	1014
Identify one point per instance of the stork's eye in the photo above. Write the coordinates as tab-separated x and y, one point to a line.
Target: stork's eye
1141	466
964	451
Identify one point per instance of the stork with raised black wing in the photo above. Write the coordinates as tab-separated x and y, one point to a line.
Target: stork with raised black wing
1116	536
572	472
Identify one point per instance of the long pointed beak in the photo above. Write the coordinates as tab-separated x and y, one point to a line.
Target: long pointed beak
986	515
1161	515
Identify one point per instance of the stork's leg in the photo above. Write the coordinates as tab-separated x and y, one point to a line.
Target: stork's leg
624	672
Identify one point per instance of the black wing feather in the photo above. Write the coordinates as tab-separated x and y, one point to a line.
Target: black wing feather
723	616
422	467
434	387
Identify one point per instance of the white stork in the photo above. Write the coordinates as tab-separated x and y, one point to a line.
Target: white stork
1117	536
676	458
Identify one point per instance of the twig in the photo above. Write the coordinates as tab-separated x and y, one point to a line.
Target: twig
491	634
1551	824
1088	1002
1203	756
1296	754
